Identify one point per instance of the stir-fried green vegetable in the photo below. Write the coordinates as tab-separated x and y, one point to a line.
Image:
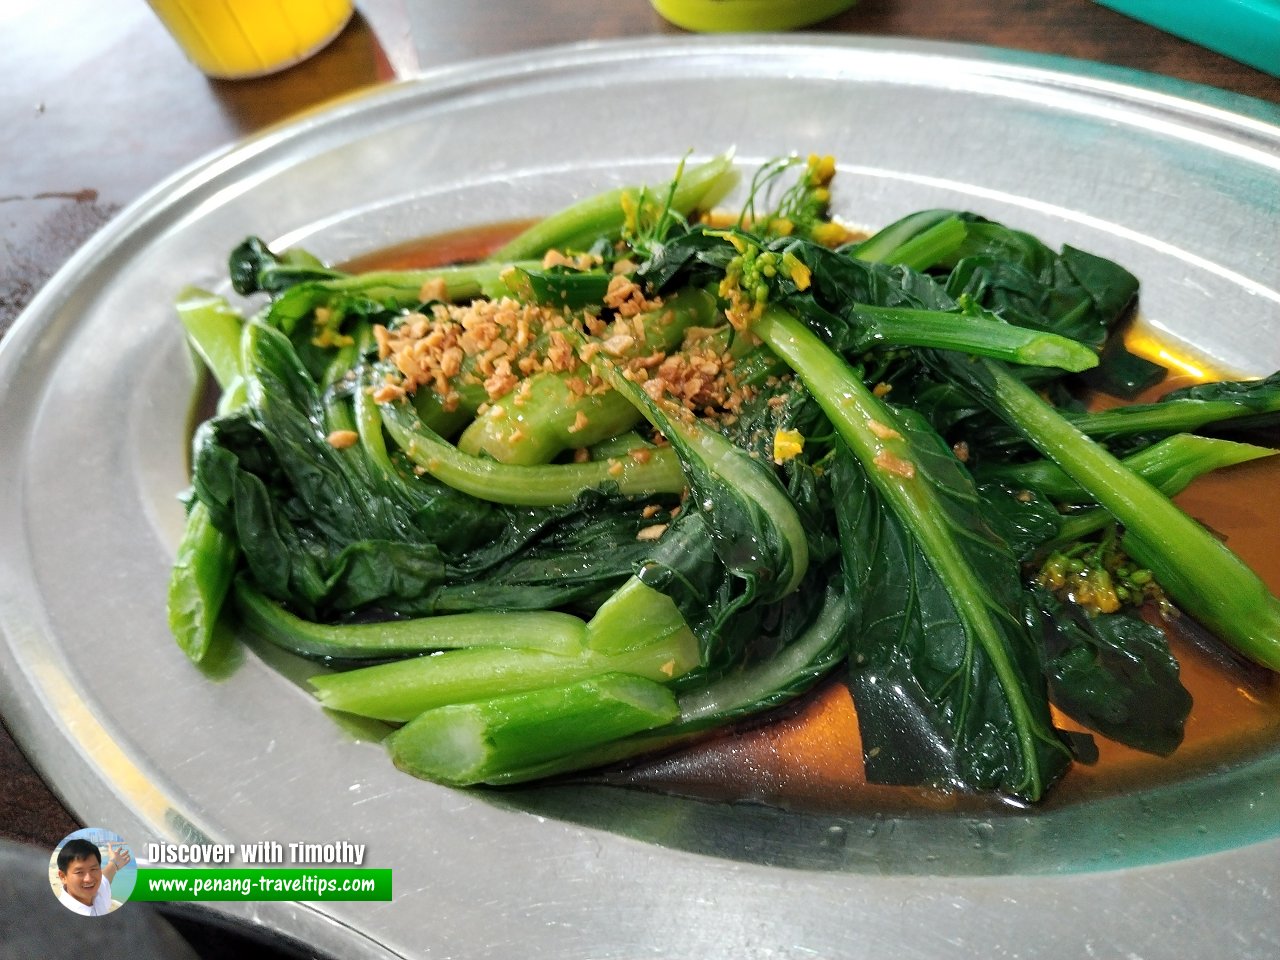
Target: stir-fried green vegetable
649	471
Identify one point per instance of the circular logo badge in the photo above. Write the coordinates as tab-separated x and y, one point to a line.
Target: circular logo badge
92	871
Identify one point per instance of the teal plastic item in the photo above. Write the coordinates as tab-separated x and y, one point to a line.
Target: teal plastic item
1245	30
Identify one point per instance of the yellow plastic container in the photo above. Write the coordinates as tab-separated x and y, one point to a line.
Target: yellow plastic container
233	39
736	16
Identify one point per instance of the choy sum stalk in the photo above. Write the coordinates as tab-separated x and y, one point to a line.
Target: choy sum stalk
969	333
497	740
206	557
896	466
1169	465
527	485
579	226
1196	569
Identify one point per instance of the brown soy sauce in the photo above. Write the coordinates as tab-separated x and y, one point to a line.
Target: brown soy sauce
808	756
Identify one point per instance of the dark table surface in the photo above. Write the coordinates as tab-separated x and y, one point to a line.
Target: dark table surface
99	105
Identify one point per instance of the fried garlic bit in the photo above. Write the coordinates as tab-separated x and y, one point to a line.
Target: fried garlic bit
892	463
341	439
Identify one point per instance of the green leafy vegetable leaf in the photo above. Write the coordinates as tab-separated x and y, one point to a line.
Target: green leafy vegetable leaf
1113	673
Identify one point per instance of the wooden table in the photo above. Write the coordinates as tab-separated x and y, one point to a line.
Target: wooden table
99	105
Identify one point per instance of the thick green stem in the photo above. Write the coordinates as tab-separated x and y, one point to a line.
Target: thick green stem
530	486
206	559
1250	402
551	412
563	289
545	416
401	690
907	327
1195	568
866	424
547	631
578	226
620	445
213	329
471	743
1168	415
635	615
199	581
403	288
917	241
1169	465
742	692
1083	523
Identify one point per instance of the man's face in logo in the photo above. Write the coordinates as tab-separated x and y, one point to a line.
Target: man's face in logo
82	878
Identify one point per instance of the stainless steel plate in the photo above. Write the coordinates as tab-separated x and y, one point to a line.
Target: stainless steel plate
1179	183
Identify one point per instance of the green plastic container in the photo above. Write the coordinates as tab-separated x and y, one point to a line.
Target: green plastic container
1245	30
